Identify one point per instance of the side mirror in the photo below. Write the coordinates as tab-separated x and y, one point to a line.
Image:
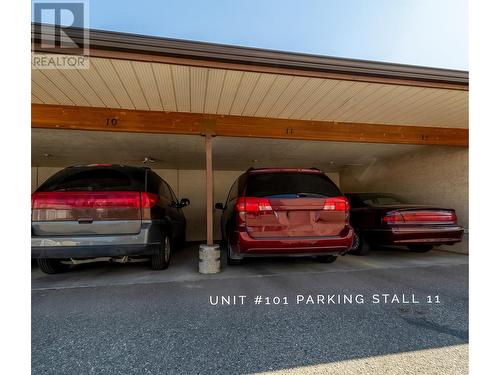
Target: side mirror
184	202
219	206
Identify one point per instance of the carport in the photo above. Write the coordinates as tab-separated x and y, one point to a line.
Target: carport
371	126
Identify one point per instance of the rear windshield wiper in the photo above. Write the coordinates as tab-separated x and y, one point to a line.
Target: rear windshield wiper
309	195
296	195
86	188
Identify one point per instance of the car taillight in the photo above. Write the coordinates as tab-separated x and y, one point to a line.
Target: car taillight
252	204
148	200
336	204
63	200
393	217
429	217
420	217
116	199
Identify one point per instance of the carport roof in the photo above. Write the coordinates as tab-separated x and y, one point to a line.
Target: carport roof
191	86
125	45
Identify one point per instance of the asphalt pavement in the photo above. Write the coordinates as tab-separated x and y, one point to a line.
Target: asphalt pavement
140	324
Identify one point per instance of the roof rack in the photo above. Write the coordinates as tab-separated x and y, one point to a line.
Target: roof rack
107	165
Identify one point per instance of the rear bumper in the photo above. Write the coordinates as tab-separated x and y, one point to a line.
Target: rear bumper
413	235
245	246
146	242
63	252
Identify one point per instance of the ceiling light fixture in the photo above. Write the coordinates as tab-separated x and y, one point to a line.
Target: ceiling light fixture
148	159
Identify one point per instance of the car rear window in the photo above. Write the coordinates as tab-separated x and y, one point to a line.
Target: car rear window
96	179
381	199
291	185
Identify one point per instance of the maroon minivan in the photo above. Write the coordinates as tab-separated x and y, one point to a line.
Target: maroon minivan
285	212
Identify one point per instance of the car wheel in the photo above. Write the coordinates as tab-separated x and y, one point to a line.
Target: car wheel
231	261
161	260
327	258
52	266
420	248
359	245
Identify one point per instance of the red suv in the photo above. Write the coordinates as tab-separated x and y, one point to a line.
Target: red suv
285	212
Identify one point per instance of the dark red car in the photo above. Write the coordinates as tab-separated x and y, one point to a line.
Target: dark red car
387	219
285	212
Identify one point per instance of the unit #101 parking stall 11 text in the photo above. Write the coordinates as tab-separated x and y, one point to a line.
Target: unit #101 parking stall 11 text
325	299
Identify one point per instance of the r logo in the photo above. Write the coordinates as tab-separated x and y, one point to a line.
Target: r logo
52	21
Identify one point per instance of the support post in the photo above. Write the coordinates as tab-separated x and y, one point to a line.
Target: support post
210	189
209	254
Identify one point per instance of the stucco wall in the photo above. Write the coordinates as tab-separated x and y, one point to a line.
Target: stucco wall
433	175
186	184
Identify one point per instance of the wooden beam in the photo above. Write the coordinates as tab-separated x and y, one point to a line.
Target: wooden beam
135	121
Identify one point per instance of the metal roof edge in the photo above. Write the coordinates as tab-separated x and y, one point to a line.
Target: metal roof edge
142	44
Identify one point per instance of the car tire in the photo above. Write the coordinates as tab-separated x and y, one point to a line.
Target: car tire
231	261
161	260
327	258
51	266
359	245
420	248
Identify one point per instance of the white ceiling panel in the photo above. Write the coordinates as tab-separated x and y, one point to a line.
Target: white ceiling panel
426	102
356	102
342	98
280	84
83	87
182	87
127	75
58	93
34	99
309	88
384	104
260	90
42	95
92	79
198	87
318	110
325	87
60	81
287	95
163	76
245	90
105	69
370	103
149	86
215	83
231	84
